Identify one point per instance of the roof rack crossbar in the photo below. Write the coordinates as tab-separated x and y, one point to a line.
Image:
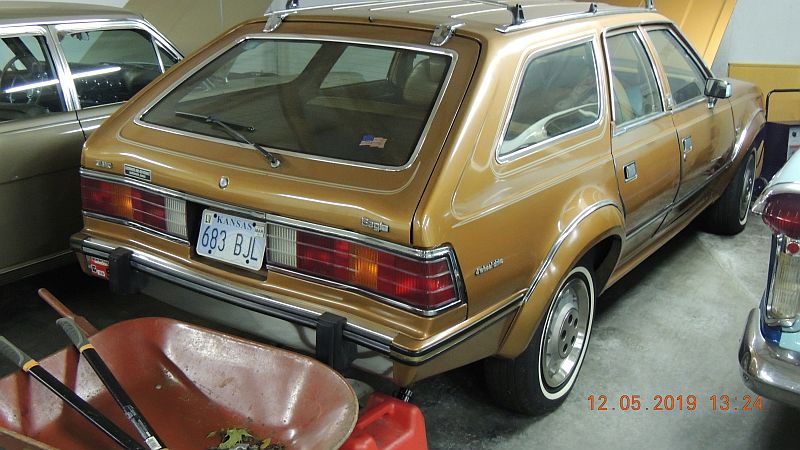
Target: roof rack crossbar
517	15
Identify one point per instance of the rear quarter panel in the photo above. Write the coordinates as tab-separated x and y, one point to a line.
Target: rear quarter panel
515	211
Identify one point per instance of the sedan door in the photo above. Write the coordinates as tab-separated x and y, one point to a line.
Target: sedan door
705	129
109	63
40	145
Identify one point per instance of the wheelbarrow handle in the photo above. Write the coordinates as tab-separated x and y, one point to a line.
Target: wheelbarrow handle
32	368
122	398
63	311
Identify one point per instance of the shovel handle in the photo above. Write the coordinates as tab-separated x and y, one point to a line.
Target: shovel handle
74	332
15	355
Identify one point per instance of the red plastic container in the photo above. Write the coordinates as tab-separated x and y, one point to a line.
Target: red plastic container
388	424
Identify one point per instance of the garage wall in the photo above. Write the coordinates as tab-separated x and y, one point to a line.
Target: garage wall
763	32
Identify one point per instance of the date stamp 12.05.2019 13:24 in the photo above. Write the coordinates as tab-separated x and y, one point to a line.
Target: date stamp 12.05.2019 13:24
675	402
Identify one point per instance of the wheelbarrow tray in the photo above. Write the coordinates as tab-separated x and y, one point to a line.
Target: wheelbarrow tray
188	381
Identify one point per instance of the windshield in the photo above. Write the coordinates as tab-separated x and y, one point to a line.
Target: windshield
344	101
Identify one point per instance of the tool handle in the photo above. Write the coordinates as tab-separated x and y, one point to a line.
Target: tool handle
29	365
74	332
88	411
13	353
116	390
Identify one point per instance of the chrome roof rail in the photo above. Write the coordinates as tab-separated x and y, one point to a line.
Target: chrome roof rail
593	11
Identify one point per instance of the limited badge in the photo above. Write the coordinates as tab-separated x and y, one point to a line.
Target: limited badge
138	172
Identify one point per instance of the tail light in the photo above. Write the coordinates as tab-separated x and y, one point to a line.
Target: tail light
424	283
783	301
152	210
782	214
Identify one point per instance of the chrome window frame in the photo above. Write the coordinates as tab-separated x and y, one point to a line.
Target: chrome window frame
675	107
665	107
53	51
58	30
517	86
453	55
445	251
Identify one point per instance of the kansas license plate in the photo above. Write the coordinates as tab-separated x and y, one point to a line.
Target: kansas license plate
232	239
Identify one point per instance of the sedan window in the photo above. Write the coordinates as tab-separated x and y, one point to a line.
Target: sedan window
686	81
634	85
110	66
558	95
28	84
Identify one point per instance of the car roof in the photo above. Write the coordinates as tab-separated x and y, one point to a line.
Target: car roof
19	13
473	15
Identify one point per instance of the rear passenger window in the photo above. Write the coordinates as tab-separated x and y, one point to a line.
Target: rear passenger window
110	66
686	80
558	94
636	93
29	86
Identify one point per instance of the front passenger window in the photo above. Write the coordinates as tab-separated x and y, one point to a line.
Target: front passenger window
110	66
686	81
636	93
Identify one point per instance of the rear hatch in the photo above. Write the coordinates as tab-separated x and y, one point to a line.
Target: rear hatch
354	123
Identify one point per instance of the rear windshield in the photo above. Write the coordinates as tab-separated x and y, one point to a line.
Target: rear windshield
359	103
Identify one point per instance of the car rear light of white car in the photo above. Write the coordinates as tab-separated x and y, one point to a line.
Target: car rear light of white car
782	215
422	283
134	205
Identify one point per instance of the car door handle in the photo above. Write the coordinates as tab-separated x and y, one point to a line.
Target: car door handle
687	145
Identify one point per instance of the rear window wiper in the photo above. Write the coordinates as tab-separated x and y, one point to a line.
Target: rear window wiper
230	128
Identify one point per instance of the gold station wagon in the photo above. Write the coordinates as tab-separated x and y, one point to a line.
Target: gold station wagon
406	187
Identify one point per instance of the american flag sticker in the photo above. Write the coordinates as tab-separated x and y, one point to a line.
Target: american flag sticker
371	141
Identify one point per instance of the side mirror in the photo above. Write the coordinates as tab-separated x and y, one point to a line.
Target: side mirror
716	88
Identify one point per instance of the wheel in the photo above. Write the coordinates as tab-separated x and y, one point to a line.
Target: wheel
728	215
538	380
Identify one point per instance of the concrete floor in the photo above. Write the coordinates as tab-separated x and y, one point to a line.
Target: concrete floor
671	327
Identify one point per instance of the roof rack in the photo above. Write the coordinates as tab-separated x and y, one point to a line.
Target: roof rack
445	31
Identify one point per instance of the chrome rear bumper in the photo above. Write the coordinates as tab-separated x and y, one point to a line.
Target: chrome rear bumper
253	311
767	369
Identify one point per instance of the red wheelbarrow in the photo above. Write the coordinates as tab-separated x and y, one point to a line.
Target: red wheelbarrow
190	382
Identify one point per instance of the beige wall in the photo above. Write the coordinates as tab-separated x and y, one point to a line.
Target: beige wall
192	23
703	21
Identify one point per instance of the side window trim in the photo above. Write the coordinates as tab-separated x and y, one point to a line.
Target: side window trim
686	46
52	49
666	108
600	75
67	83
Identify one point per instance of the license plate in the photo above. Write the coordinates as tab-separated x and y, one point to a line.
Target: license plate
232	239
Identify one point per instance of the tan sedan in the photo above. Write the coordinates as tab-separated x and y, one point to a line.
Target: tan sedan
65	68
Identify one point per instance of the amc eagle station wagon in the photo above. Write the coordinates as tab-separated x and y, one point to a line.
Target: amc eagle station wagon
64	68
406	187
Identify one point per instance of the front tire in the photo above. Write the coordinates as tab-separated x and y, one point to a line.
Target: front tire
538	380
728	215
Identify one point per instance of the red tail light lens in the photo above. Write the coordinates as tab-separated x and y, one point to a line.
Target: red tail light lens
153	210
782	214
426	284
